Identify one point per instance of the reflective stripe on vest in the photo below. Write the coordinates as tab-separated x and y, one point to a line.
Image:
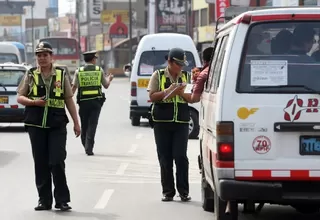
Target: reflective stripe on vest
90	83
175	105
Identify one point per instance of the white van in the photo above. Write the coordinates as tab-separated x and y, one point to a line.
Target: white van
259	122
149	57
9	53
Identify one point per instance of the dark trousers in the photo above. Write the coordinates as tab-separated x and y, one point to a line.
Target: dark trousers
172	142
49	153
89	112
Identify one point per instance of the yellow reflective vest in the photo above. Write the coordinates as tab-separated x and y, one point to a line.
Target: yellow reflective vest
53	114
175	109
89	83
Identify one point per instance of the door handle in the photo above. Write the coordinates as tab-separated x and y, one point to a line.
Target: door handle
209	130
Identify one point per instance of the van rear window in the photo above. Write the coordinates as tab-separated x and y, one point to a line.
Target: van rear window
281	57
151	61
8	57
11	77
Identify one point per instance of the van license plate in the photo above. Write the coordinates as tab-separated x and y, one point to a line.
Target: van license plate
143	83
310	145
4	99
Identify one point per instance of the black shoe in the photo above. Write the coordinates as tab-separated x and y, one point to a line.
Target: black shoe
42	207
167	199
90	153
185	198
63	206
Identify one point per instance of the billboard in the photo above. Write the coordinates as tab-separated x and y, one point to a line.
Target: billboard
173	16
110	16
10	20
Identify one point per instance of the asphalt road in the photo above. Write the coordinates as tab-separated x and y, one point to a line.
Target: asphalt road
120	182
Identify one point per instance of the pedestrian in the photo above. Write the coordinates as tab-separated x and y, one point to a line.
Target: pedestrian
170	114
88	80
45	91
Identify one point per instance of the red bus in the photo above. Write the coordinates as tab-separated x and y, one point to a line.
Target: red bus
66	51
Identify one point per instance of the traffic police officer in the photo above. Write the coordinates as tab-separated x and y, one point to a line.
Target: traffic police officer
45	90
90	97
170	115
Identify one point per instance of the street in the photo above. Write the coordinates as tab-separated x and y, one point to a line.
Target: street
121	182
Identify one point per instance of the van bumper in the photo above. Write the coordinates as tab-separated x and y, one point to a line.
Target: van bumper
9	115
234	190
139	111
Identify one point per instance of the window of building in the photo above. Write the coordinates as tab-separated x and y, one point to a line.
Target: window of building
204	17
196	18
309	2
37	33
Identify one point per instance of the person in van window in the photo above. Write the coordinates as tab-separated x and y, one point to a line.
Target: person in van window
170	114
303	39
195	73
255	38
281	44
201	79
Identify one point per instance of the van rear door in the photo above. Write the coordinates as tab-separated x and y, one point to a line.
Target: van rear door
276	102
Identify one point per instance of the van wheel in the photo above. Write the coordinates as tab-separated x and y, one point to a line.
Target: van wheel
306	209
207	194
194	126
135	120
220	209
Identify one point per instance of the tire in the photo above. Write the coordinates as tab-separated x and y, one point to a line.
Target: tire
207	194
220	208
306	209
194	126
135	121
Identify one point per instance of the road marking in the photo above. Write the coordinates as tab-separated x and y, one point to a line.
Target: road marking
133	148
138	136
122	168
104	199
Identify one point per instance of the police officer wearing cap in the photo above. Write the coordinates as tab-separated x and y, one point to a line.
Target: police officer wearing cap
170	115
88	80
45	91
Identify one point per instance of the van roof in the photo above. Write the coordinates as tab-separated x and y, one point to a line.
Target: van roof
270	11
160	41
10	64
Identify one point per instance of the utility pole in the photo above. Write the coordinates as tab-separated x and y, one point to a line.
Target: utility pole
130	32
187	17
32	29
78	25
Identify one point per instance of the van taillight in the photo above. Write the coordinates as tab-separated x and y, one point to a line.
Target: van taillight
225	144
133	89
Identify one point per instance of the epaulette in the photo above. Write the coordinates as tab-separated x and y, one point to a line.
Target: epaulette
33	69
59	68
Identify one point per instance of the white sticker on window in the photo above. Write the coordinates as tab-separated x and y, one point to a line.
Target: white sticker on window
146	69
269	72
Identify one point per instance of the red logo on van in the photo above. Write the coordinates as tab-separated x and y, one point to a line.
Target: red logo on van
295	107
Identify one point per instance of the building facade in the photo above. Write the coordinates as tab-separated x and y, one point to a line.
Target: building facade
91	24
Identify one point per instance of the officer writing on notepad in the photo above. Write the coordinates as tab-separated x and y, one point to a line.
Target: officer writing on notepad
170	115
88	80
